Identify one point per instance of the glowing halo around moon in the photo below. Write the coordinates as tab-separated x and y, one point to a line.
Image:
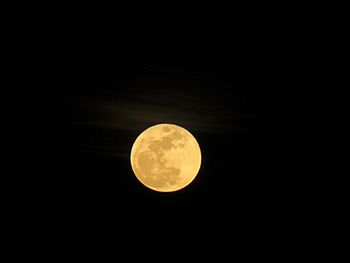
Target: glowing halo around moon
165	157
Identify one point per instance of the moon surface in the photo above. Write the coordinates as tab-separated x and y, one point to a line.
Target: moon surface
165	157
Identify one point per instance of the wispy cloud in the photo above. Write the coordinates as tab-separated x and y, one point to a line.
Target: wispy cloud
195	112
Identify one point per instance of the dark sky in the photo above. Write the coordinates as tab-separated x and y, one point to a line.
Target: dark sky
229	93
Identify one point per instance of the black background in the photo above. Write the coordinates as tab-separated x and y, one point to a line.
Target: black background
234	94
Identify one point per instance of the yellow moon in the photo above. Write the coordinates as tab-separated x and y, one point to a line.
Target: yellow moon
165	157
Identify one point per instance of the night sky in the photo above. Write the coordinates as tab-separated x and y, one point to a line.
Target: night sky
230	94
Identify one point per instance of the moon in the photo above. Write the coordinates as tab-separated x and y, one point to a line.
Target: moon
165	157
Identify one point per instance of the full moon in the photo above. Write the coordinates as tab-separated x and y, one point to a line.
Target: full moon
165	157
